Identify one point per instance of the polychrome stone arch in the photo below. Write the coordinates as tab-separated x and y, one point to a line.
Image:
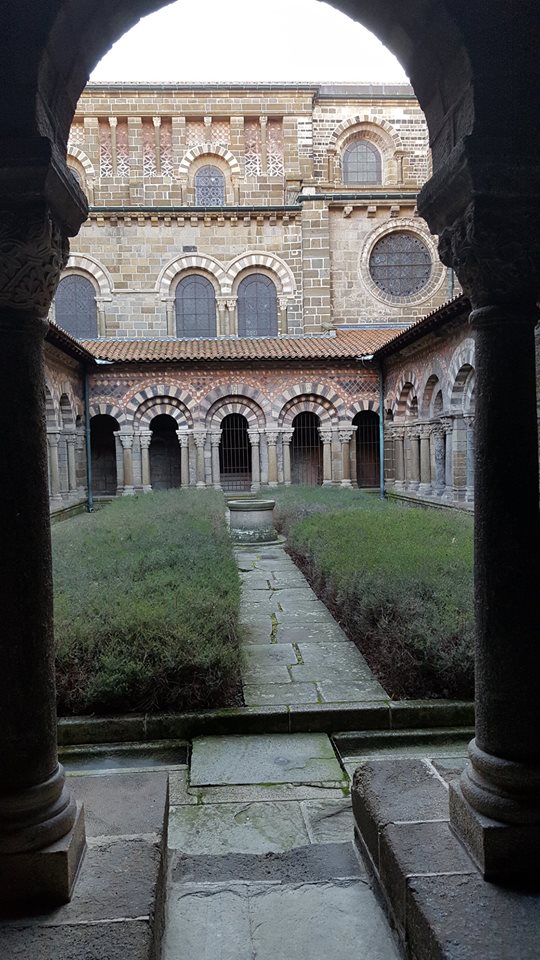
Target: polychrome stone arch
107	409
361	406
84	161
379	131
242	405
209	149
162	393
257	258
82	263
312	403
431	378
191	262
463	356
329	401
406	390
232	392
156	406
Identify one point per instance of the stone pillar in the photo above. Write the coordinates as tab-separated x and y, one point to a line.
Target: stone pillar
399	457
345	437
222	317
469	428
326	437
145	438
425	489
448	427
126	439
271	440
254	440
183	440
71	440
199	437
282	317
414	441
215	440
286	437
41	826
53	440
232	323
437	437
263	121
493	243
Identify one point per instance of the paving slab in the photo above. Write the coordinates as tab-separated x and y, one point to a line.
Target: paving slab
313	864
266	673
352	691
265	792
237	827
103	941
122	804
329	821
310	633
295	598
280	693
314	613
340	919
275	758
266	656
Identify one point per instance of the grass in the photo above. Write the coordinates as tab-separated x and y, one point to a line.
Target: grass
147	598
399	580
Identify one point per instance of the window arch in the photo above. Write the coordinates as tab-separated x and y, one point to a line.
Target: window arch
209	187
195	302
257	307
361	163
75	307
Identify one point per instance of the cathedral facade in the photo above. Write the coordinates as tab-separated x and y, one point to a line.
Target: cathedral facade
254	299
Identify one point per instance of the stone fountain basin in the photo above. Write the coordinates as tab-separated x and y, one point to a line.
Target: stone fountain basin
252	521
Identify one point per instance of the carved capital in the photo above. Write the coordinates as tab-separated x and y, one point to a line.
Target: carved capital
215	438
231	303
254	436
287	435
200	438
325	434
447	424
145	439
272	437
183	438
345	434
33	253
126	440
53	438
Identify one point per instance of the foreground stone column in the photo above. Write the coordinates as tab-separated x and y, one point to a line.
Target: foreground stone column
286	437
425	488
326	437
183	440
272	439
145	439
215	440
345	440
41	827
255	440
496	807
53	440
199	437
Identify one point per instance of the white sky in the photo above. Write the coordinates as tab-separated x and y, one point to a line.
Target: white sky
248	40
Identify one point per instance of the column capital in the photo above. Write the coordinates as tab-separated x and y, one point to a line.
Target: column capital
287	434
183	437
145	439
35	250
283	300
156	121
113	121
231	303
272	435
222	302
437	429
254	436
325	434
215	437
199	437
126	439
53	437
447	424
71	438
263	120
414	432
345	434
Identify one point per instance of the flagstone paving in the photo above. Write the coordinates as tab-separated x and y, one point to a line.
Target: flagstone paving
295	652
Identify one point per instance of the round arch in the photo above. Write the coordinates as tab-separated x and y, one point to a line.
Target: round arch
159	392
462	356
360	406
238	405
154	407
379	132
210	150
314	392
237	392
172	273
253	260
83	264
318	405
109	410
84	160
404	395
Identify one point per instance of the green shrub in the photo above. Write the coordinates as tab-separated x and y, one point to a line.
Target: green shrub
295	503
400	583
147	598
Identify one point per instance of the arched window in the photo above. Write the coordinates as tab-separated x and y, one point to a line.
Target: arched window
361	163
75	307
257	307
209	187
195	308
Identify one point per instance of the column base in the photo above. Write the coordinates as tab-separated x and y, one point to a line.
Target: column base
201	484
128	491
44	877
255	487
425	490
147	488
327	483
399	485
413	485
273	483
217	487
347	483
503	852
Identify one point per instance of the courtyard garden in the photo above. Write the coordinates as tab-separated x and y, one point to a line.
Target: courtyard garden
146	607
398	580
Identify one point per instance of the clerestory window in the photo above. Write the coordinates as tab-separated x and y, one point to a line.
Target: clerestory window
195	308
209	187
362	163
75	307
257	307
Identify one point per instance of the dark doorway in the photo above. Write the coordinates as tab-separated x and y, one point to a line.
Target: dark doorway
306	450
235	453
164	453
103	448
367	448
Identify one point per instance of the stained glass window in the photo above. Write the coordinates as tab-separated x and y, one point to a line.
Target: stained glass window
257	307
195	308
75	307
209	187
361	163
400	264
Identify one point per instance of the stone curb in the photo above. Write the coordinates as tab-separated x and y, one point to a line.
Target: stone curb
304	718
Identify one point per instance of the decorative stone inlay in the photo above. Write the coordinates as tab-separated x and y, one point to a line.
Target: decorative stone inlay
33	253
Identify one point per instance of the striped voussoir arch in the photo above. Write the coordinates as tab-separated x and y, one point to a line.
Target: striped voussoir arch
192	261
360	406
460	372
236	393
144	404
84	161
209	148
406	389
81	261
247	408
315	397
253	259
109	410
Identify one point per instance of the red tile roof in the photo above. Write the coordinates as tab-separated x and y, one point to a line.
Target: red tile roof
344	345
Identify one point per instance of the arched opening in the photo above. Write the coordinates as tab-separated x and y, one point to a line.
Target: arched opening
103	449
164	453
361	163
306	450
209	187
367	448
195	301
75	307
235	453
257	307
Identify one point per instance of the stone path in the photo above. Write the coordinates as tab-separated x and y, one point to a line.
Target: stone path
262	860
295	651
